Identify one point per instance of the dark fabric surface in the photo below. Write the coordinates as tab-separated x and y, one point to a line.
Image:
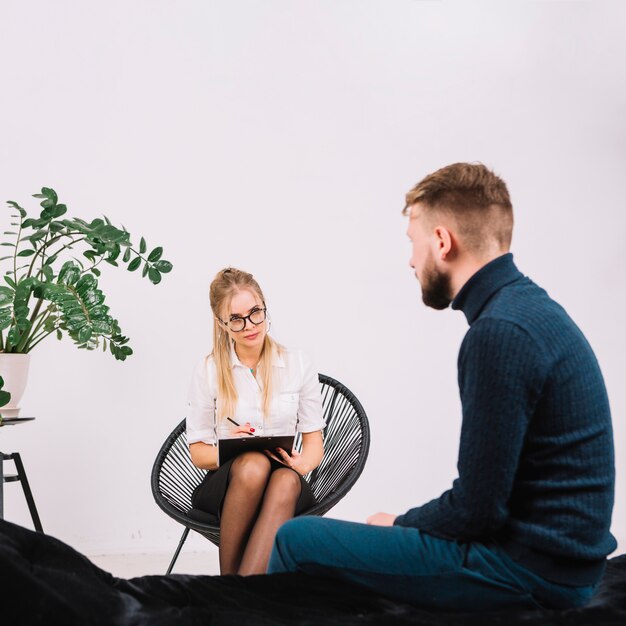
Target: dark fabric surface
45	581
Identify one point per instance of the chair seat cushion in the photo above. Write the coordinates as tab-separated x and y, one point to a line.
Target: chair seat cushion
44	580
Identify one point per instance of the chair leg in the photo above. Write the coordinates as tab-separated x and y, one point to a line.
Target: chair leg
21	472
180	545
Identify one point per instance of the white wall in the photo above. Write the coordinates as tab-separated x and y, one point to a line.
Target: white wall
280	137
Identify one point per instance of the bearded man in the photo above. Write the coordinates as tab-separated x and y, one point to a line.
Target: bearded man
526	523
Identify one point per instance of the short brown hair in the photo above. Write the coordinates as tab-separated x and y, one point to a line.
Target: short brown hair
477	199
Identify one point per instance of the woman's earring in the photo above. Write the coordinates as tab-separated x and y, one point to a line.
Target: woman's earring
269	325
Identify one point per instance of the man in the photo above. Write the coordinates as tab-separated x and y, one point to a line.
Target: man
526	523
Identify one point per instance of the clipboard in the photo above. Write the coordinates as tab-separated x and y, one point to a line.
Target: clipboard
230	448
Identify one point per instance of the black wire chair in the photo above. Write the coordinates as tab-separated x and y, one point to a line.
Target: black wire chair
346	445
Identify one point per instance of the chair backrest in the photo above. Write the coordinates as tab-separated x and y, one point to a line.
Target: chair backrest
346	445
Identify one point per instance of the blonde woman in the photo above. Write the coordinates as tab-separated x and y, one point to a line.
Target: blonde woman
267	390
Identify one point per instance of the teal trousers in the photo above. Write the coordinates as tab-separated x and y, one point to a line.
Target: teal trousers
411	566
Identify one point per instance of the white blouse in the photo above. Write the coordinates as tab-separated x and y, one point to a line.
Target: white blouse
296	404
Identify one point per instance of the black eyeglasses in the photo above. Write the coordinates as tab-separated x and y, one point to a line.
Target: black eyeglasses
237	324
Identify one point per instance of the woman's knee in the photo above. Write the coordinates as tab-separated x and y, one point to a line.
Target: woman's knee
251	468
284	486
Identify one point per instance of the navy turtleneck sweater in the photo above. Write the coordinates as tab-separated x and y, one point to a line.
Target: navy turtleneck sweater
536	465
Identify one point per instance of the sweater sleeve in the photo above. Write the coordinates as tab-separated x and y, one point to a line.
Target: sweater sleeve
501	373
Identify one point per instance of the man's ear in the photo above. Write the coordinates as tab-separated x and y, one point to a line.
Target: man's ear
444	242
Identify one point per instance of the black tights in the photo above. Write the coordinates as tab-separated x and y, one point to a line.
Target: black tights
257	502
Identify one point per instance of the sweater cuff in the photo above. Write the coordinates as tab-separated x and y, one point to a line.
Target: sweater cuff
407	519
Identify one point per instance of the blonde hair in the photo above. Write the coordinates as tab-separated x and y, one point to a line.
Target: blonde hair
225	285
477	199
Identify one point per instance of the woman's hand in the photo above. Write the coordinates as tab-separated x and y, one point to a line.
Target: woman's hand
293	461
241	431
308	460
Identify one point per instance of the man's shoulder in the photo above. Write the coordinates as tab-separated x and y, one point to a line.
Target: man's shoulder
525	304
527	307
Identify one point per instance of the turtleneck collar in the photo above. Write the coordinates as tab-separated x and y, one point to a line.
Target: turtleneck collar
484	284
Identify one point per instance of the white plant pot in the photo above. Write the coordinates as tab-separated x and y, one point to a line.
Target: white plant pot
14	371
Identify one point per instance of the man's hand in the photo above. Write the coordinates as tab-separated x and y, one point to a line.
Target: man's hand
382	519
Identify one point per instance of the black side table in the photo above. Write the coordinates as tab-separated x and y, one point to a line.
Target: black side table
20	476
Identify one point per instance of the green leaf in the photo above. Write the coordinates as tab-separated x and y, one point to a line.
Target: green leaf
101	327
7	243
114	251
126	256
96	223
5	397
13	336
154	276
10	281
6	296
24	325
126	350
15	205
163	266
142	246
40	234
6	318
85	284
26	253
59	334
145	269
134	264
69	274
155	255
96	271
98	311
59	209
50	197
51	259
84	334
48	272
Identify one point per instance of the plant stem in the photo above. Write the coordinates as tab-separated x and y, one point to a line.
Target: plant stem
28	335
17	243
23	346
49	243
40	340
36	310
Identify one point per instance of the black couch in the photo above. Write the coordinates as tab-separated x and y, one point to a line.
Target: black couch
43	580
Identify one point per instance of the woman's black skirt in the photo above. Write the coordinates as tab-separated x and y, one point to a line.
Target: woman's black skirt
209	494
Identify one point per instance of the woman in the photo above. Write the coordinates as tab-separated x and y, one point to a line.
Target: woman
267	390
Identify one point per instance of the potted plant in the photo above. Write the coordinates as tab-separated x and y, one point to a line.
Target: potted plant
5	397
51	285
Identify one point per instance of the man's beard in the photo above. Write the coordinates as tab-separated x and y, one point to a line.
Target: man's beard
436	288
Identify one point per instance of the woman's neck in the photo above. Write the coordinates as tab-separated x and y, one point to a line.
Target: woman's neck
250	356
